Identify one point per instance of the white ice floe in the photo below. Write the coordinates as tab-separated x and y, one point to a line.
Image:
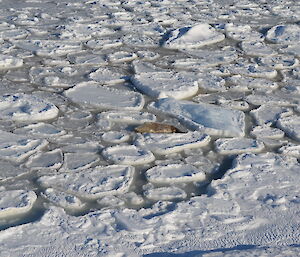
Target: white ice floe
128	154
284	34
267	132
41	130
138	40
9	62
22	107
257	48
16	202
238	145
212	119
290	150
84	58
269	114
171	143
92	183
166	84
10	171
67	201
278	62
121	57
14	33
92	95
46	160
79	161
211	83
291	49
203	163
128	117
17	148
174	173
242	33
290	125
115	137
236	105
107	76
147	55
192	37
272	99
165	194
103	43
145	67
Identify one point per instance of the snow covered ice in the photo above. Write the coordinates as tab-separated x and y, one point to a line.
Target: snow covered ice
81	174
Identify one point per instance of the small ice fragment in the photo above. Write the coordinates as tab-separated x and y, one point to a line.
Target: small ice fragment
128	117
115	137
128	154
267	132
46	160
242	33
291	126
174	173
107	76
193	37
9	62
165	194
238	145
257	48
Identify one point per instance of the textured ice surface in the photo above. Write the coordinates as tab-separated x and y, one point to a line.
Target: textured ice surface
166	84
92	183
22	107
165	193
128	154
8	62
17	148
129	117
291	126
15	202
193	37
92	95
107	76
284	34
267	132
211	119
174	173
171	143
238	146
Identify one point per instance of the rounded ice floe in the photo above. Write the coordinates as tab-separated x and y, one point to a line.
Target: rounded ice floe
291	126
145	67
63	199
79	161
290	150
209	118
174	173
269	114
210	82
87	59
171	143
16	202
267	132
115	137
192	37
17	148
9	62
165	194
128	154
107	76
257	48
41	130
278	62
242	33
122	56
284	34
22	107
238	145
272	99
103	43
46	160
91	94
252	70
129	117
166	84
92	183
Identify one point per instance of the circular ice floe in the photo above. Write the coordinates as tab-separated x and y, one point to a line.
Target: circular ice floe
174	173
22	107
284	34
291	126
16	202
79	161
128	117
170	143
41	130
8	62
193	37
166	84
128	154
63	199
165	194
238	145
107	76
92	95
116	137
92	183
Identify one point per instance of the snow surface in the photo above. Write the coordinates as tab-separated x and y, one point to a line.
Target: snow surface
78	77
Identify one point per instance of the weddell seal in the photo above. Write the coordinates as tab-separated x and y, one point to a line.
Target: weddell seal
156	127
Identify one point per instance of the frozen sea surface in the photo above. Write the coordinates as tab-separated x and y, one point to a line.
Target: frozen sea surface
78	78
